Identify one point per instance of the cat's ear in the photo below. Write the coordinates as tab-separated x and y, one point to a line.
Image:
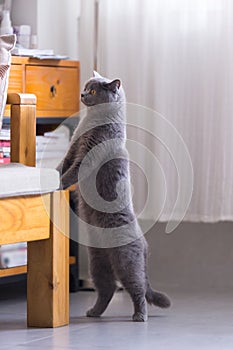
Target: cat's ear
114	85
96	74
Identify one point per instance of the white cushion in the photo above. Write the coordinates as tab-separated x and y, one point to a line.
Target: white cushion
17	180
7	43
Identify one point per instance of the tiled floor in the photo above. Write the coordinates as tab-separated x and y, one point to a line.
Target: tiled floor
195	321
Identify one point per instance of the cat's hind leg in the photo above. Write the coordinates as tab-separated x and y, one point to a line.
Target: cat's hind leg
104	281
137	293
132	276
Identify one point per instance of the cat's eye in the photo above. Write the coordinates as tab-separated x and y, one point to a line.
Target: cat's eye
93	92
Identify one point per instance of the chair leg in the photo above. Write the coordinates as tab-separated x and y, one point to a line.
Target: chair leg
48	270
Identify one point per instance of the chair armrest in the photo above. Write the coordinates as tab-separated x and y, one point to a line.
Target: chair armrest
21	99
23	128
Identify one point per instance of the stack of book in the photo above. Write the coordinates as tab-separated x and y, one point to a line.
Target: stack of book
51	148
12	255
5	146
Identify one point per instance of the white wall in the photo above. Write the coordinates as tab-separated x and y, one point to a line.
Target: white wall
24	12
195	257
86	39
58	26
54	22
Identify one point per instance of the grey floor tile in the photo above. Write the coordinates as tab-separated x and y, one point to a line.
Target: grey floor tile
200	321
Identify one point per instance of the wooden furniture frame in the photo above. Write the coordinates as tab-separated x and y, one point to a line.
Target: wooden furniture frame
25	219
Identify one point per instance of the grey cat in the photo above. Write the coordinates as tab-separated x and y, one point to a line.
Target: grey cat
97	161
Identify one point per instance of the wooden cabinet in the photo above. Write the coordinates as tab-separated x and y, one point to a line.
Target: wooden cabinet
56	83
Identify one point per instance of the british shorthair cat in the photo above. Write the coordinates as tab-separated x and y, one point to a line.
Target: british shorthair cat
117	250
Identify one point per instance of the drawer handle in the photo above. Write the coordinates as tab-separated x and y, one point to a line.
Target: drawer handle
53	90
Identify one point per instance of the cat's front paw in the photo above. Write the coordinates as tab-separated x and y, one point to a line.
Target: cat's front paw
92	313
140	317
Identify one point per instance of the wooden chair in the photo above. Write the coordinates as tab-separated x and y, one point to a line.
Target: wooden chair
24	218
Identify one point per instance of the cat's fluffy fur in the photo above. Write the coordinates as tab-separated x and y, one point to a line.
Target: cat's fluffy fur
121	252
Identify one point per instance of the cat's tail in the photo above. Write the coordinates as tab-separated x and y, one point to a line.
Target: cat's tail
157	298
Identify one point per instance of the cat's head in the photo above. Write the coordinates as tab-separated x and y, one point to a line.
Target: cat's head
99	90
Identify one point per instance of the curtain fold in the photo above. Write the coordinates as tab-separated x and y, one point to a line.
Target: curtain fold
175	57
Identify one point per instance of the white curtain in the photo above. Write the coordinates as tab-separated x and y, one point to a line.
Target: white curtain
174	57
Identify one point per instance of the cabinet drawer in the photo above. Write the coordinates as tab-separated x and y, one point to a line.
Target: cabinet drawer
56	88
15	78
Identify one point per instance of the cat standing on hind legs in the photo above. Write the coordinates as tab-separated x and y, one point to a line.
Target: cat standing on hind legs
98	161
